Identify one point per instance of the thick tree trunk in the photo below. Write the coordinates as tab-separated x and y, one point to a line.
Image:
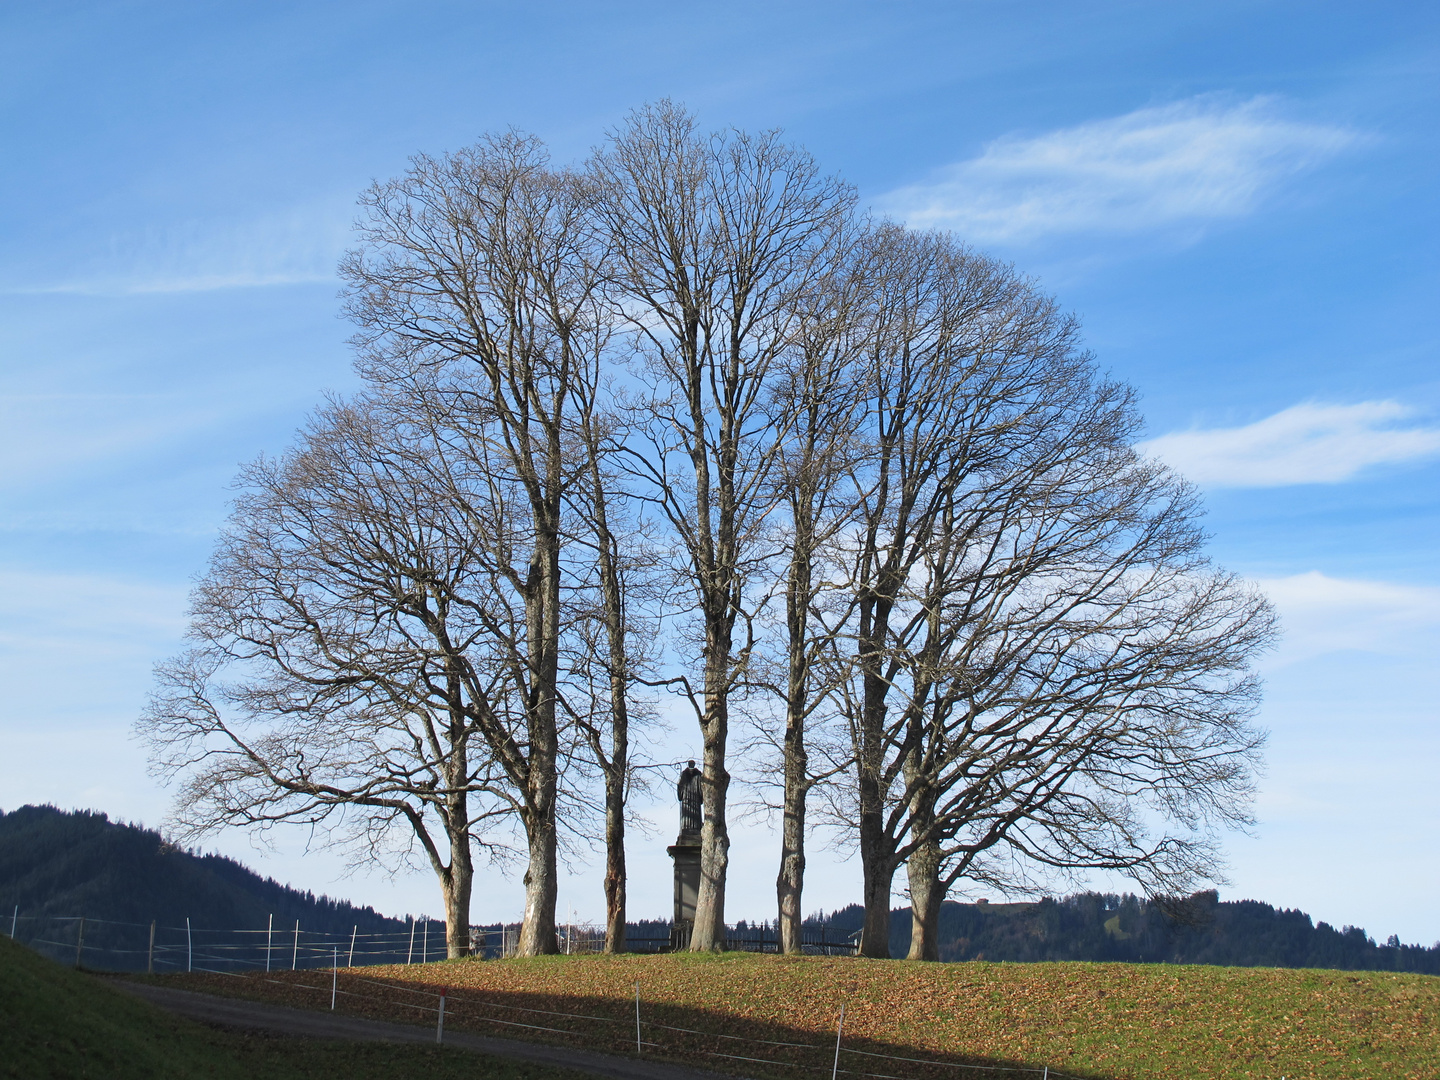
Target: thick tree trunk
878	872
457	909
458	878
709	932
537	932
926	894
790	883
877	849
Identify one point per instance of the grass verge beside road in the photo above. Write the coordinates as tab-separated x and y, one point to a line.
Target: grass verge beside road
1120	1021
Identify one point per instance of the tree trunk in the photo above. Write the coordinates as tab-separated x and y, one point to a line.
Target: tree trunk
709	932
457	908
615	858
537	932
790	883
926	894
458	878
877	849
879	872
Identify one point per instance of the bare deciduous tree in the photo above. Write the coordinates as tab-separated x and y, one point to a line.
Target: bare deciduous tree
712	241
343	656
613	641
819	384
477	275
1039	646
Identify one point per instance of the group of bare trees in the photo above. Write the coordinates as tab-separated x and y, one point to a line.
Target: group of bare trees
681	422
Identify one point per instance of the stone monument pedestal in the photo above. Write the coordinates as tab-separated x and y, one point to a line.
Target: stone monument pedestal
686	853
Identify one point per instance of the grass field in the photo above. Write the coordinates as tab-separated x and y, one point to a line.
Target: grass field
1112	1021
58	1024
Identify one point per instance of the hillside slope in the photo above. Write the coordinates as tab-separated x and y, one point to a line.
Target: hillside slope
58	864
57	1024
776	1017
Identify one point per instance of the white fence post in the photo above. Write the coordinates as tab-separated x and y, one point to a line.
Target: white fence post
13	920
350	962
411	954
440	1021
835	1069
295	953
189	947
150	956
334	978
269	934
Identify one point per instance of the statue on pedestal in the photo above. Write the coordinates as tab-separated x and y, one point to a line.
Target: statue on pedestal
686	853
692	799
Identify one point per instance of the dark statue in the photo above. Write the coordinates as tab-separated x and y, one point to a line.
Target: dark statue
691	799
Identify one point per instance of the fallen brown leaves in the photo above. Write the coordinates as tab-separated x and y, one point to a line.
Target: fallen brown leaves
1125	1022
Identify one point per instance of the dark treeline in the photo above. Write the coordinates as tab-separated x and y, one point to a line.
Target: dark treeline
57	864
1130	929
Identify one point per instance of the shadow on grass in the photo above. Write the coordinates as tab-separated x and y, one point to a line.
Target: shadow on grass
714	1039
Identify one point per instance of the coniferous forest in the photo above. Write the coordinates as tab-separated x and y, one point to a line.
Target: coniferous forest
58	863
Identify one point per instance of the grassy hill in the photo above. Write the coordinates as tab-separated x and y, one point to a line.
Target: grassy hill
58	1024
776	1016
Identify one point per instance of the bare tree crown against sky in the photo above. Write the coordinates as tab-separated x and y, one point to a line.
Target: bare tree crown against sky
695	339
714	241
345	650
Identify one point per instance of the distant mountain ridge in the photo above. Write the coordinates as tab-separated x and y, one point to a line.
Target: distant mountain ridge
1130	929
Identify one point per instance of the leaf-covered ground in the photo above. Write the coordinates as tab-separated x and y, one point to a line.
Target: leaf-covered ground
750	1014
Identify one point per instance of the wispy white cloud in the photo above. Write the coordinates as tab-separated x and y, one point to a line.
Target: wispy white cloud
1304	444
1193	161
1323	614
296	246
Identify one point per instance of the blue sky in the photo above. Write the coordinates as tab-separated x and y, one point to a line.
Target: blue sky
1238	199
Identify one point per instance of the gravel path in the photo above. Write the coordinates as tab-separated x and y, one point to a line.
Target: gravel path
282	1020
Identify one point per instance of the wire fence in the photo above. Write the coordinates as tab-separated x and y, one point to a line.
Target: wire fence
111	945
641	1033
300	961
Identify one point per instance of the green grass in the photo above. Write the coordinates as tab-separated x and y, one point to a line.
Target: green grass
59	1024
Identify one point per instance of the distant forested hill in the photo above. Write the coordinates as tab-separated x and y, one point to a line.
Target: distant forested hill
56	864
1095	926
